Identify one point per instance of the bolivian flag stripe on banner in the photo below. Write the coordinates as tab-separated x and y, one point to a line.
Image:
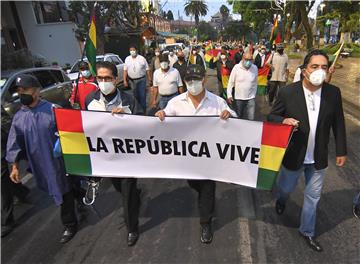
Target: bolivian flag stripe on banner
237	151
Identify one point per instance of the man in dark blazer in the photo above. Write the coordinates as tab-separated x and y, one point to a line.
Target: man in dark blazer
313	107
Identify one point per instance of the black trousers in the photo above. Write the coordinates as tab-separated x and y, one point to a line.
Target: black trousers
9	189
206	199
274	87
67	210
131	201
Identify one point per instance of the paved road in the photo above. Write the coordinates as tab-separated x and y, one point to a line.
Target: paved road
247	229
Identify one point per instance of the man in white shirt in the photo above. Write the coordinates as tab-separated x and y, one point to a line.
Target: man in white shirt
243	77
172	58
198	101
166	82
314	107
136	69
279	64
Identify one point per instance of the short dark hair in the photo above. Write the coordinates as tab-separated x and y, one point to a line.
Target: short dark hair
314	52
164	57
107	65
83	65
133	46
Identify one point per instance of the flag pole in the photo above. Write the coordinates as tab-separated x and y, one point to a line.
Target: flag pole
77	105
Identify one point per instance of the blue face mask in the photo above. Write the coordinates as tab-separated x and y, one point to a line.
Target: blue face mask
247	64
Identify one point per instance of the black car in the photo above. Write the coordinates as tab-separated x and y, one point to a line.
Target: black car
56	87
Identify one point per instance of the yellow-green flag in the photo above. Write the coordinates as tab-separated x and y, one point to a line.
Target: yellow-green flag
90	46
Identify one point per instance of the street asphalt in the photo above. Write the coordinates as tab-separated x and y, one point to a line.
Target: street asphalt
246	227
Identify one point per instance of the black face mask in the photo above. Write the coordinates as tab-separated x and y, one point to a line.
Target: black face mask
26	99
281	51
181	58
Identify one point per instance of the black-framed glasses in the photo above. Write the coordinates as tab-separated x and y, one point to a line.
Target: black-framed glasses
104	78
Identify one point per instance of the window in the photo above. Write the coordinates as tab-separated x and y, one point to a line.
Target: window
58	75
108	59
116	60
45	78
50	11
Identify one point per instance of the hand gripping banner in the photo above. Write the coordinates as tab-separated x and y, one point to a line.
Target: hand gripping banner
236	151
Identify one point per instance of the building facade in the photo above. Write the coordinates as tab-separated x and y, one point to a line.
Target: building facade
42	27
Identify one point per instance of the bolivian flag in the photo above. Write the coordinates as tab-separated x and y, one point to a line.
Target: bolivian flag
275	32
90	46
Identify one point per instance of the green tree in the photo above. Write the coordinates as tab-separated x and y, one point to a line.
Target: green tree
206	32
254	14
224	11
236	30
299	13
170	15
124	13
196	8
346	12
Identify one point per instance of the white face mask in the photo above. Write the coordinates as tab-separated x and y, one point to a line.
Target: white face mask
194	52
171	53
106	87
133	53
223	57
164	65
86	73
317	77
157	53
194	87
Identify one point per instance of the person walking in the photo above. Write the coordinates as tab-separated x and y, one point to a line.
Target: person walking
243	78
155	61
198	101
109	98
167	83
86	84
224	67
32	133
313	107
279	64
136	69
181	66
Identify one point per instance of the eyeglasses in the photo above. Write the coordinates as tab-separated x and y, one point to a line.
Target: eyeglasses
311	100
104	78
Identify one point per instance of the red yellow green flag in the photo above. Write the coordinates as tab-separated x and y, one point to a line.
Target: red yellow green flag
90	46
275	32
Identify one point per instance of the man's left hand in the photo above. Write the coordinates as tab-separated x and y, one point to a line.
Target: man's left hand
225	114
340	161
117	111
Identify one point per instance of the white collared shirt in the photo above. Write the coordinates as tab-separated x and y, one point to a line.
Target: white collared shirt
103	105
211	104
244	81
136	67
313	100
167	82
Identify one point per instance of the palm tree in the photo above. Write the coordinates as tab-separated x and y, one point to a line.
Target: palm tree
196	8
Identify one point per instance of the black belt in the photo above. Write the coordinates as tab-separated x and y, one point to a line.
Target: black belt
168	95
134	79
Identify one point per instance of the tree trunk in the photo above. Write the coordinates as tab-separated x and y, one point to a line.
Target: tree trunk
345	37
306	25
289	22
100	38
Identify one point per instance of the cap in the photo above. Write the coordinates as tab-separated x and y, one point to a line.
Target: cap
194	71
27	81
163	57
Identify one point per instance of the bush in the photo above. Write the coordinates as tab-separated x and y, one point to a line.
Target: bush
332	48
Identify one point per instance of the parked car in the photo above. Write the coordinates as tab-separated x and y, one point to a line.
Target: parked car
56	87
73	73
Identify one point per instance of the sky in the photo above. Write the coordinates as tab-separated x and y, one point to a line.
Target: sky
213	6
175	5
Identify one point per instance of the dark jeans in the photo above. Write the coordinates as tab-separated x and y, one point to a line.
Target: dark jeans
131	201
163	100
138	88
274	89
67	210
9	189
206	199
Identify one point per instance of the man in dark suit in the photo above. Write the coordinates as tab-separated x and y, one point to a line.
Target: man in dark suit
313	107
